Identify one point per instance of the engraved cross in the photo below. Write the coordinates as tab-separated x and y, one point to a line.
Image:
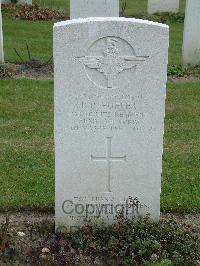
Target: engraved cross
109	159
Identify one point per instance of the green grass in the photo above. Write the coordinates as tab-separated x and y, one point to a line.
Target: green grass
26	159
181	174
175	44
27	154
38	34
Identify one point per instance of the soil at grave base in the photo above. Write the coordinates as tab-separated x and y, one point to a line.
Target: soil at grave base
21	223
21	218
34	69
183	79
38	70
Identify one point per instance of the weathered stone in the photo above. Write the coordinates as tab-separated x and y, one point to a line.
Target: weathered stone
1	38
94	8
19	2
110	79
191	38
156	6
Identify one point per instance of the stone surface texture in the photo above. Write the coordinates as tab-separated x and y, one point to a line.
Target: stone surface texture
156	6
191	38
1	38
110	82
94	8
20	2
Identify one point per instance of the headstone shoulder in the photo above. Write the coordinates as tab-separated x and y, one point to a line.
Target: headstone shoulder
110	19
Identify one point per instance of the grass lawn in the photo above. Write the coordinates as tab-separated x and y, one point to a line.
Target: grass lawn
27	156
38	34
26	133
181	161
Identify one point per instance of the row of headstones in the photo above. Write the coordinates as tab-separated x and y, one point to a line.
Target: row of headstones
153	5
191	39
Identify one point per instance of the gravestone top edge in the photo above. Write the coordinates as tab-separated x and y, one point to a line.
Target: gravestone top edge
109	19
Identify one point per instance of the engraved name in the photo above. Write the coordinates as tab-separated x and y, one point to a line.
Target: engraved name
97	112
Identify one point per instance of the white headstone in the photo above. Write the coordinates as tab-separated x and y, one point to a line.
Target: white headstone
110	80
156	6
19	2
94	8
1	38
191	38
